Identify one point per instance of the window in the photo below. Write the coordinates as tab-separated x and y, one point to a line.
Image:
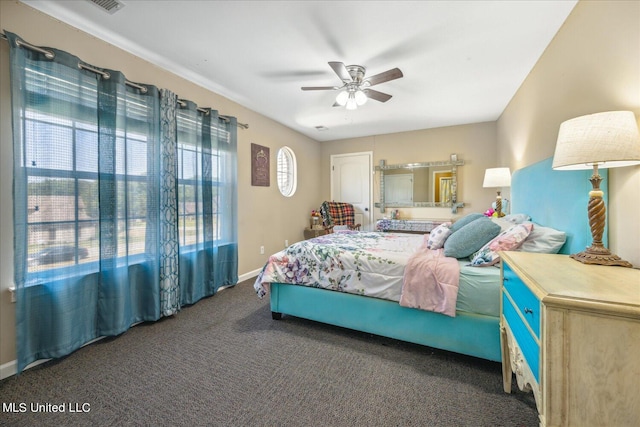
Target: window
59	191
286	172
197	167
59	158
105	170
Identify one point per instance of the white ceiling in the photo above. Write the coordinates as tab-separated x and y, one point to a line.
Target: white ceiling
462	60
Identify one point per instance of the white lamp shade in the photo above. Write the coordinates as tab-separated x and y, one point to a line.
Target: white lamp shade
361	98
608	139
342	97
497	177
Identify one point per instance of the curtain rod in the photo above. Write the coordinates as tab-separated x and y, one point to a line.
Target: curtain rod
205	111
50	55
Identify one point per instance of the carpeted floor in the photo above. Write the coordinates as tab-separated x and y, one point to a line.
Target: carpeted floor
225	362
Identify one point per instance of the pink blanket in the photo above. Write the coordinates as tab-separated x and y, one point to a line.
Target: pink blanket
431	282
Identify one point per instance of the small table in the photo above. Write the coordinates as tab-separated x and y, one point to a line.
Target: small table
310	233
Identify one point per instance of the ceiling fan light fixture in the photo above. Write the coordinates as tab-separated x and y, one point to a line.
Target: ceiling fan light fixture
342	98
360	97
355	91
351	102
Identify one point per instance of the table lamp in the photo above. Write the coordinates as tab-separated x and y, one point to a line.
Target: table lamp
497	178
602	140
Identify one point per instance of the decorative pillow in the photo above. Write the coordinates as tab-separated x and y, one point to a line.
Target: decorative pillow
470	238
503	223
457	225
544	240
517	218
438	236
508	240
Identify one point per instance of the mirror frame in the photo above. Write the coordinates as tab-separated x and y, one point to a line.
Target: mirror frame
453	204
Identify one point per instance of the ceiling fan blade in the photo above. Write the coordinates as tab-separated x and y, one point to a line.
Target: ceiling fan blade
384	77
319	88
378	96
342	72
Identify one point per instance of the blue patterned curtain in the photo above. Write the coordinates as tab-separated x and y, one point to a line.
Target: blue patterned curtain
109	223
169	273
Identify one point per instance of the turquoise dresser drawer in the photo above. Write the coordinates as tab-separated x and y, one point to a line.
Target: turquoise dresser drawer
528	345
525	301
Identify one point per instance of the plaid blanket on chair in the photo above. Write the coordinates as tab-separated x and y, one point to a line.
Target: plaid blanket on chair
337	213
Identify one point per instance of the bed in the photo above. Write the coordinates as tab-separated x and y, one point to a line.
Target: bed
553	200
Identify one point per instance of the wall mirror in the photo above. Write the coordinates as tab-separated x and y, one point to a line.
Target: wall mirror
425	184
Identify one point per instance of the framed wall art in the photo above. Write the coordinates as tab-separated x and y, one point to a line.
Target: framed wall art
259	165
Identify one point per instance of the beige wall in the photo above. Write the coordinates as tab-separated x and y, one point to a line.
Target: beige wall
474	143
7	309
266	218
592	65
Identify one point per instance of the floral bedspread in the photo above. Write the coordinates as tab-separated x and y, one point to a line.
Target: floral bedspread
365	263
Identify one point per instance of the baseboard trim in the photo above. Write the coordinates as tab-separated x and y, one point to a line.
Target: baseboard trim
249	275
9	369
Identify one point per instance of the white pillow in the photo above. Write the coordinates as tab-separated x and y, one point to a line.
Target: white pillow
544	240
503	223
439	235
517	218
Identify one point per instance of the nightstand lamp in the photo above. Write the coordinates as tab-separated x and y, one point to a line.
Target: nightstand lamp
497	178
601	140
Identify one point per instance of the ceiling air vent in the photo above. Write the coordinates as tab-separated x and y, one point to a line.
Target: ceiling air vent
109	6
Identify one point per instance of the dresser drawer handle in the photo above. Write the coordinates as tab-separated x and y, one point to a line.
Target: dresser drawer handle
528	310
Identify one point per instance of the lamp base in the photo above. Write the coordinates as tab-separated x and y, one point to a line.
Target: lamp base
599	255
499	212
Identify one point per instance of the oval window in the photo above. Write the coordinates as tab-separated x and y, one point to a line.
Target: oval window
286	172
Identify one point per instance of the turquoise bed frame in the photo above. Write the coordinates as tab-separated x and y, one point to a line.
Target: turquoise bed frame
552	198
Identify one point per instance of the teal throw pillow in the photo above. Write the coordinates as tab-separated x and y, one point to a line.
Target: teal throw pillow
471	238
465	220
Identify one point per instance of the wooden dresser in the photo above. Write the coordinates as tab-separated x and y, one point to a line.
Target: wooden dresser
571	333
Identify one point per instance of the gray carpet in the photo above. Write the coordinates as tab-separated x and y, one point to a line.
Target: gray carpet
225	362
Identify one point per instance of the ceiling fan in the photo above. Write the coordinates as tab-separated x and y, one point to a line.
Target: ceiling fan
355	88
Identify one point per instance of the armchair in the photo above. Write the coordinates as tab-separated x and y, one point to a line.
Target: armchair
338	215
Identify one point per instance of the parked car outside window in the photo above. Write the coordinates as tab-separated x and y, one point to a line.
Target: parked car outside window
57	254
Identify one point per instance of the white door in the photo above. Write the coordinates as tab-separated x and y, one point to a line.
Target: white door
351	183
